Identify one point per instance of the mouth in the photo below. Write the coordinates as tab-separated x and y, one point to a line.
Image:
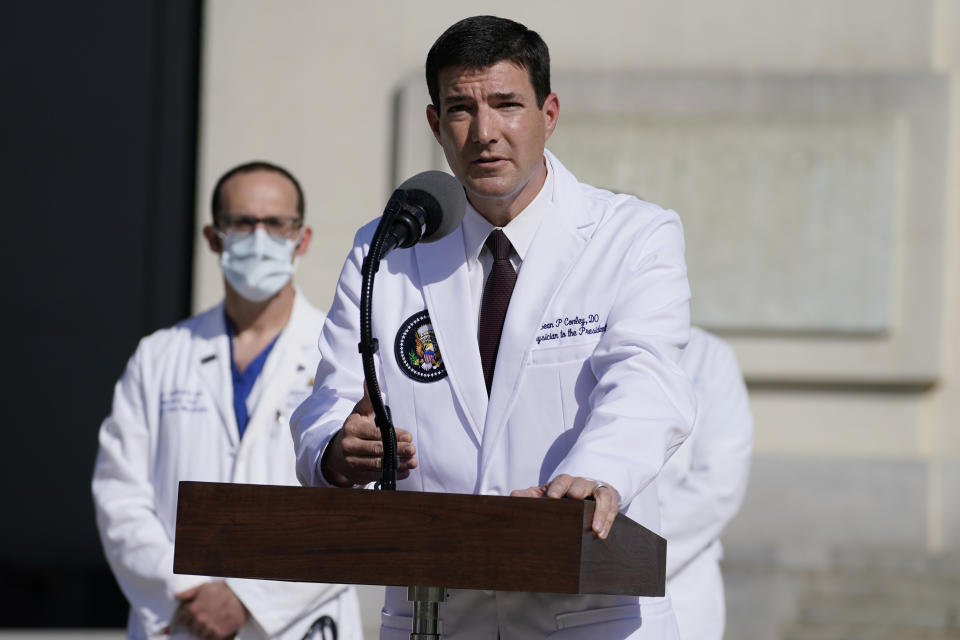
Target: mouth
488	161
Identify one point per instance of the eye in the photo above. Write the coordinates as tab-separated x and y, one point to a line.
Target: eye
281	225
457	108
241	223
273	223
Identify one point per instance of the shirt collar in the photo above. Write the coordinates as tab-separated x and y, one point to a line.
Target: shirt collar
519	231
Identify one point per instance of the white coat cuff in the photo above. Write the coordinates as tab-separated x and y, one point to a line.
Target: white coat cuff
318	479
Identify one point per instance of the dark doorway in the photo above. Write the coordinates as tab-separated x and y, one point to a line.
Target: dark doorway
99	138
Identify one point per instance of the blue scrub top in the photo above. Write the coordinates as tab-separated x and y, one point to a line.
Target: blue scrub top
243	381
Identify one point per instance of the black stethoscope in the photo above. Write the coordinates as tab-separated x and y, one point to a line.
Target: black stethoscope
318	630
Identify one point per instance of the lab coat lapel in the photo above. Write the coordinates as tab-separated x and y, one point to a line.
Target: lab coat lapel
277	376
211	357
557	245
443	278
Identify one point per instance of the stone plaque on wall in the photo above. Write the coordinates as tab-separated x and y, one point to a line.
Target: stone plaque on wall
788	220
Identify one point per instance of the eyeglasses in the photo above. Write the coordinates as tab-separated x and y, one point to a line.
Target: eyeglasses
278	226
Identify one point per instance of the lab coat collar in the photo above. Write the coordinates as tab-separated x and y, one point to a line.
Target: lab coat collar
558	244
283	363
567	224
519	231
446	291
210	355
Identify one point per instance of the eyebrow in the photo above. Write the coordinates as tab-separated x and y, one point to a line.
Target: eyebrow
462	97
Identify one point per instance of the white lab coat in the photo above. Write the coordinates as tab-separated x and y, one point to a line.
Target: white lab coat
173	419
702	486
609	403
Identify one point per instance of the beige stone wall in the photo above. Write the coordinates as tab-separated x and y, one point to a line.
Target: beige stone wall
858	433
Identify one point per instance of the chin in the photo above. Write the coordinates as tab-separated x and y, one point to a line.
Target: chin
490	188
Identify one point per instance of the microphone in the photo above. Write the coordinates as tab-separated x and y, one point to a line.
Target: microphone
424	208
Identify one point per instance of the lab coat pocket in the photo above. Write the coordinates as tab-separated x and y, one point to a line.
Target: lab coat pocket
574	377
608	623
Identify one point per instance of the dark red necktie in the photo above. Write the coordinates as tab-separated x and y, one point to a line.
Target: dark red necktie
496	299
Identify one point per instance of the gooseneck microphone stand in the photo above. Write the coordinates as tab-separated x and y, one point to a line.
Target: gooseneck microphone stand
396	216
368	346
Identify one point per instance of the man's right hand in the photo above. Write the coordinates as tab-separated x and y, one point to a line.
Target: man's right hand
211	611
354	455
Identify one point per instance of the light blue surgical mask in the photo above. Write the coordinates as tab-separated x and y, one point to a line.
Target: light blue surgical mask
257	264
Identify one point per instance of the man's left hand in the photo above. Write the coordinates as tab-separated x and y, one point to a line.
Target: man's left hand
564	486
211	611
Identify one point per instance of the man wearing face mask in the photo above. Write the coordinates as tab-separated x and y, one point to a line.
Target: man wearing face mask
209	400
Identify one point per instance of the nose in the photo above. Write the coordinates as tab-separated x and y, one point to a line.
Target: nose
485	128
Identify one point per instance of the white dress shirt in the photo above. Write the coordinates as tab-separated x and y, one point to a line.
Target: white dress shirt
519	232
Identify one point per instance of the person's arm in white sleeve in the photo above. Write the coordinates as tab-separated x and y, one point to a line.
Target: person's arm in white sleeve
709	493
643	404
135	541
339	379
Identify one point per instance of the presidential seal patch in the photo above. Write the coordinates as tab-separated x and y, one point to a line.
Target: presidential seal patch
416	349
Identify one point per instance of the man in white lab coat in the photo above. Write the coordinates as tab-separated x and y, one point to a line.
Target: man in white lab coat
702	486
209	399
576	391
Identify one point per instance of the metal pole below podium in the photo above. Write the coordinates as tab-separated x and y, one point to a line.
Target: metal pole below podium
426	611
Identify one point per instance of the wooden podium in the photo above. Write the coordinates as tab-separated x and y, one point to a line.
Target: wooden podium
411	539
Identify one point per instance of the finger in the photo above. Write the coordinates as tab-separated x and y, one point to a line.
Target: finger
182	617
529	492
581	488
405	446
606	510
364	407
189	594
557	488
367	466
362	437
358	449
361	458
189	622
361	440
363	427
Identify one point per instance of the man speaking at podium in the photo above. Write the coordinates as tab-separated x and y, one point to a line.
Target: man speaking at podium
531	352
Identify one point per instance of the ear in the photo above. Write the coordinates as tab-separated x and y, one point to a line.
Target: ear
551	113
304	244
433	119
213	240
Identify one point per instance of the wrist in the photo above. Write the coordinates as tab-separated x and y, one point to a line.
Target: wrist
331	455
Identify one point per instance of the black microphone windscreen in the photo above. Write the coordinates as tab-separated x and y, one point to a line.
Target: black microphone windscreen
442	199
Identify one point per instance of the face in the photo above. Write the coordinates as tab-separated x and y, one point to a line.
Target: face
259	194
493	134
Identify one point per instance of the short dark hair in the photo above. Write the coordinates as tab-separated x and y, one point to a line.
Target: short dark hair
482	41
216	203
